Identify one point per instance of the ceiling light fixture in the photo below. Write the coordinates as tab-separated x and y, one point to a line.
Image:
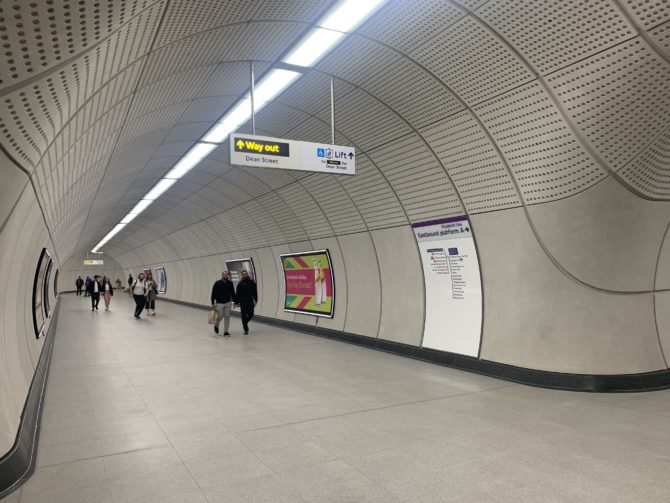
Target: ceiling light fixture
342	19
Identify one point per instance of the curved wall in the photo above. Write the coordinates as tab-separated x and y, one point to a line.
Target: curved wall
23	234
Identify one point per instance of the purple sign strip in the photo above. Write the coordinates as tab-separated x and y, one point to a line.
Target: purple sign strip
449	220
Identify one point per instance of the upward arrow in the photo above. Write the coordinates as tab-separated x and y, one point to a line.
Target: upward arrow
351	155
240	144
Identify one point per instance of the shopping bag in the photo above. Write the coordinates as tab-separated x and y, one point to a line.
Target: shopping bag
212	316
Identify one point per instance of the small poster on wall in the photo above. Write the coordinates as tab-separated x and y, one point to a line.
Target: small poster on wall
309	283
236	266
161	279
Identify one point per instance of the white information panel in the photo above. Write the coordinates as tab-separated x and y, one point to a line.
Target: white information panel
278	153
453	286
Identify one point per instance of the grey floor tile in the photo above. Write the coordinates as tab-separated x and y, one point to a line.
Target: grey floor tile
161	411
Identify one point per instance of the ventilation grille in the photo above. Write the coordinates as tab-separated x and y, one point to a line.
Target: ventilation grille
650	172
413	93
473	163
405	25
373	196
618	99
584	29
547	160
472	62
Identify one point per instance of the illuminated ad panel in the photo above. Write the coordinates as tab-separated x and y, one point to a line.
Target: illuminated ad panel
309	283
453	285
236	266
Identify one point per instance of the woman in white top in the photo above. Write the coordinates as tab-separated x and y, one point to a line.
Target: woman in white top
138	289
107	291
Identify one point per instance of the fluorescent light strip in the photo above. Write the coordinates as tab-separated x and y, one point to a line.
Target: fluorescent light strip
343	18
190	160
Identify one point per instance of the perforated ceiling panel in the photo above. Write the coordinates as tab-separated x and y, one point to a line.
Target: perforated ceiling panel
650	172
357	59
38	35
335	202
472	61
418	179
373	196
360	116
661	35
413	93
648	13
546	158
618	99
406	25
473	163
584	28
307	211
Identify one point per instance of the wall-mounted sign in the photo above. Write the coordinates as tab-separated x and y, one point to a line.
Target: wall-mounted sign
94	262
38	293
236	266
453	285
309	283
279	153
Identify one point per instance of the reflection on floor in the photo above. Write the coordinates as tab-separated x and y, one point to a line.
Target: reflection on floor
162	410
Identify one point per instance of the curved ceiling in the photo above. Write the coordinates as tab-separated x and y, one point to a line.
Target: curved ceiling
454	107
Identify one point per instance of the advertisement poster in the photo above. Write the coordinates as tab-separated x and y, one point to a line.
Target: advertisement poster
453	285
236	266
161	279
38	293
309	283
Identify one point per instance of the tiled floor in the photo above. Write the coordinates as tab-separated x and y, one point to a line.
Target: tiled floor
161	410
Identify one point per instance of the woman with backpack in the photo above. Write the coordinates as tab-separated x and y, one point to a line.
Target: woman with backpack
138	289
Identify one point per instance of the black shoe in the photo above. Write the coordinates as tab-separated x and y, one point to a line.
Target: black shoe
92	309
246	332
226	334
216	329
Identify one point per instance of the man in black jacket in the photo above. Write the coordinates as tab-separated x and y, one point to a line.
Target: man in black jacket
94	288
247	296
79	283
223	297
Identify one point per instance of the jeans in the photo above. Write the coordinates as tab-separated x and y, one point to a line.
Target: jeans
140	300
247	312
223	311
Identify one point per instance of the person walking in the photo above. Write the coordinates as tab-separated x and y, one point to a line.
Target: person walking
247	297
223	297
152	291
130	283
138	290
87	283
79	283
94	289
107	291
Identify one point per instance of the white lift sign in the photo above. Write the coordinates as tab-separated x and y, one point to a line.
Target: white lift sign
278	153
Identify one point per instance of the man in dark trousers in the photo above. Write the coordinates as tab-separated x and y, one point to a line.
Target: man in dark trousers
247	296
223	297
94	288
79	283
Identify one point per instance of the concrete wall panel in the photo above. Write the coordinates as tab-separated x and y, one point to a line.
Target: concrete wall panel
536	317
605	236
402	285
363	284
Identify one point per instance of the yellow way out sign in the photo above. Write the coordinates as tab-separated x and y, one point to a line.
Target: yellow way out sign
279	153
